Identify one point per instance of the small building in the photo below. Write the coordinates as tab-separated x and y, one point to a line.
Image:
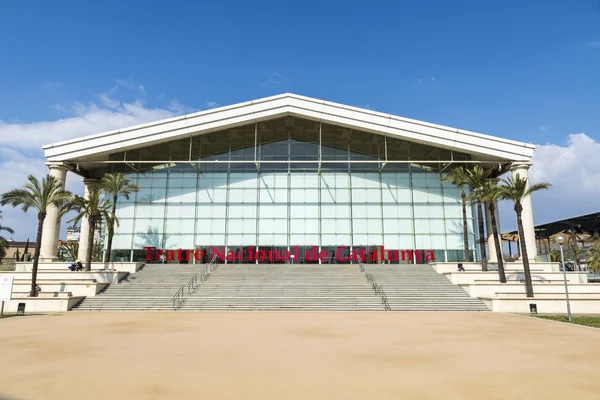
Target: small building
17	249
73	234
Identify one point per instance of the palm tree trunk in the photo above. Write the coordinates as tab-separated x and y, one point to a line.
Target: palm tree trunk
497	245
528	282
111	230
463	196
36	256
481	236
90	244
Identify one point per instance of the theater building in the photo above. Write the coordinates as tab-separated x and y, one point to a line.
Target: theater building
288	175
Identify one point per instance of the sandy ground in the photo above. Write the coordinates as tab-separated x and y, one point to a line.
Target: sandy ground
296	356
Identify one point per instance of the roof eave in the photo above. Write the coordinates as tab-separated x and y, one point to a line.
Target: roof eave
288	104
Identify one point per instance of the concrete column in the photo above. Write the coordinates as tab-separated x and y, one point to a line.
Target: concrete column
491	250
51	230
521	169
85	225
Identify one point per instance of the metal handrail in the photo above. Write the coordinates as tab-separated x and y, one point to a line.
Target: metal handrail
208	269
377	288
178	299
194	283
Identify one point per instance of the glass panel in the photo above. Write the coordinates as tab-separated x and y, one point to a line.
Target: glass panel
125	210
179	206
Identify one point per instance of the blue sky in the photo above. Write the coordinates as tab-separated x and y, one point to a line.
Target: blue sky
525	70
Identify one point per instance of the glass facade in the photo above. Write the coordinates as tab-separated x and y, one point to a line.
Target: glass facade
272	186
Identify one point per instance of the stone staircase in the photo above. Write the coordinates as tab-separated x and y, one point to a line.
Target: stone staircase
151	288
283	287
420	288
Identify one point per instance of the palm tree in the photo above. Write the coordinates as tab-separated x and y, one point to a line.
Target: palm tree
593	258
489	194
25	250
97	251
477	178
458	177
574	249
41	196
96	209
3	242
116	185
516	190
554	255
68	251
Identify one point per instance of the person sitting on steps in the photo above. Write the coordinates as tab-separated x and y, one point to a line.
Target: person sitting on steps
76	266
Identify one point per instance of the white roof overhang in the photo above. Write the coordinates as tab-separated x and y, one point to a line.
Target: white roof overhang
93	146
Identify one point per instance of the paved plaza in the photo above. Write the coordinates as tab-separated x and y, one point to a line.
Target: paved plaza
272	355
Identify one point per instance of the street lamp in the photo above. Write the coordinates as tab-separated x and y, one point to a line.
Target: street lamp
560	239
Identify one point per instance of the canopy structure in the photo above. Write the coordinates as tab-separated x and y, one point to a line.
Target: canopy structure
581	225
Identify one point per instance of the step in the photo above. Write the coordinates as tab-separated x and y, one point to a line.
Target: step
284	287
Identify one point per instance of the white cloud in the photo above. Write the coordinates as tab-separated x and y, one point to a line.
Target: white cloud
594	44
177	108
21	143
211	104
426	81
574	172
87	119
575	167
108	102
544	127
274	79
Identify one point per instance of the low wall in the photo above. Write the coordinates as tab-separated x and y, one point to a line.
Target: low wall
544	306
443	267
130	267
16	295
42	304
88	288
469	277
66	276
490	289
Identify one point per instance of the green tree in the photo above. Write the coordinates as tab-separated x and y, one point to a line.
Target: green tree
3	242
96	209
458	177
68	251
554	255
574	249
97	251
593	257
116	185
25	250
40	196
489	194
477	178
516	190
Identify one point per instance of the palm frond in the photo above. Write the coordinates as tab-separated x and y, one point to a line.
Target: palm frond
593	257
36	194
477	176
538	186
118	185
456	176
7	229
515	189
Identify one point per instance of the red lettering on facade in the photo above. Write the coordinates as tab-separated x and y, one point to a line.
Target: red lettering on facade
250	254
